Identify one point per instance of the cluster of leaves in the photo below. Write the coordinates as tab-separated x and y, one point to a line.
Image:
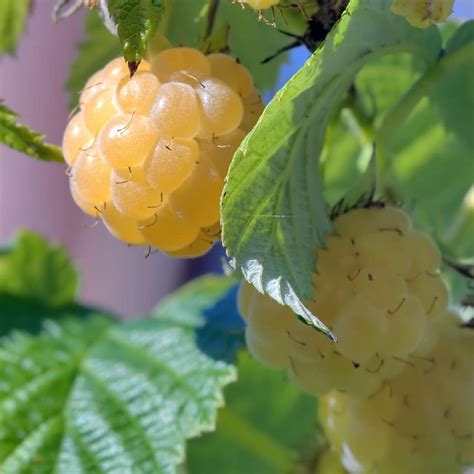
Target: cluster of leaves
88	393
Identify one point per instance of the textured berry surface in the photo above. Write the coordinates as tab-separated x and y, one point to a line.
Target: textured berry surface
423	13
377	288
259	4
421	421
148	154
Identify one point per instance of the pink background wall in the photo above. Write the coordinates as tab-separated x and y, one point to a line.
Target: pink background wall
35	195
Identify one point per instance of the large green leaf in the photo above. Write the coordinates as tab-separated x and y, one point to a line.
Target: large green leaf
137	21
13	16
35	269
273	207
99	397
21	138
266	427
98	47
454	93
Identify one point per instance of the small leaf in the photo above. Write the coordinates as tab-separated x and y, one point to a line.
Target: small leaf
188	304
222	334
273	206
98	48
13	16
137	21
21	138
453	95
96	396
246	440
34	269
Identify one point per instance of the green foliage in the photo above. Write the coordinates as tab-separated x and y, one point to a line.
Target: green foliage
137	21
187	304
13	16
267	426
32	268
454	94
101	397
273	205
98	48
21	138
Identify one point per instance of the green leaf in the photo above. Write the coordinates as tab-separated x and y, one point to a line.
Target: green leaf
13	16
98	48
35	269
187	304
273	205
21	138
137	21
453	95
25	314
266	427
100	397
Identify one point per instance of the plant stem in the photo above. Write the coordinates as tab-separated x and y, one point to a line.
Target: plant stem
211	17
402	110
259	443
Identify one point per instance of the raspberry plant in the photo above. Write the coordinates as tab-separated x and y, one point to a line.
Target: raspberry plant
345	208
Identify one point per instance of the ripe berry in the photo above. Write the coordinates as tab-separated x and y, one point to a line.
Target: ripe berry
149	153
366	294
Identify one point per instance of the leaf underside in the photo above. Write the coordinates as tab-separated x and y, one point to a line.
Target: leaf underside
273	206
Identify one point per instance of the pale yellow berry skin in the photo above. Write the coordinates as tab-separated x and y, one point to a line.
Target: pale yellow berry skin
148	153
120	226
76	138
364	292
260	4
423	13
91	176
221	109
419	421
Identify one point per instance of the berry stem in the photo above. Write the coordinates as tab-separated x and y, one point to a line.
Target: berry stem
212	8
256	441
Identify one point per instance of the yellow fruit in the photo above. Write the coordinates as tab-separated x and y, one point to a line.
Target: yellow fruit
197	199
127	140
423	13
220	150
137	94
227	69
76	138
200	246
91	176
221	109
181	65
176	111
149	152
168	231
171	162
260	4
120	226
99	109
134	196
85	207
